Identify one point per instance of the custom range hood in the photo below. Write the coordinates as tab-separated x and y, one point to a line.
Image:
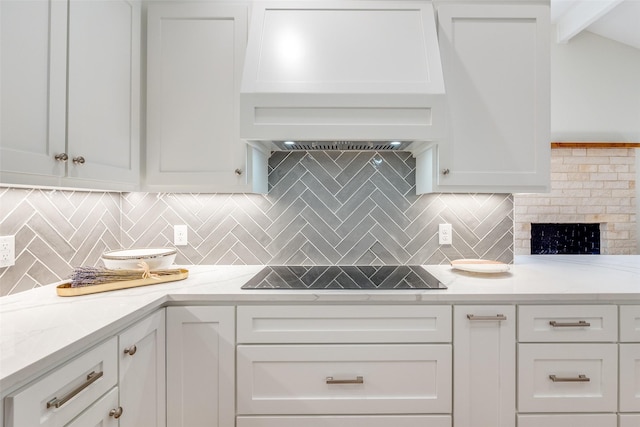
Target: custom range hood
342	75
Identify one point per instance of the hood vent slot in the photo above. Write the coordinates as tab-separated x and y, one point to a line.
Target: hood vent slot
341	145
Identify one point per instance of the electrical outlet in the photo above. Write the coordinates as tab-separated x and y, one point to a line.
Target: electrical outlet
7	251
445	234
180	235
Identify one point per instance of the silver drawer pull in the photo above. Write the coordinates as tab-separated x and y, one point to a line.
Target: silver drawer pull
578	379
91	378
496	317
578	324
358	380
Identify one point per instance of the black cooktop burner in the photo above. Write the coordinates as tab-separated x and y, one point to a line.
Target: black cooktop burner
344	277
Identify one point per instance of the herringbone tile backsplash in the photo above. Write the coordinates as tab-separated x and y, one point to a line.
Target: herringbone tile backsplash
323	208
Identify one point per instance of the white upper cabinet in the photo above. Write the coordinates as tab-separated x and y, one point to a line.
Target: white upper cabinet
104	90
70	93
33	49
497	79
195	54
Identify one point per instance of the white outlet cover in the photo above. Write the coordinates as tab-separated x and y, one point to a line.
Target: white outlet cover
180	237
445	234
7	251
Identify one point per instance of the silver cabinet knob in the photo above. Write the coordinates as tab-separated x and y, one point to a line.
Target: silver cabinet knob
238	172
62	157
116	413
78	160
445	171
131	350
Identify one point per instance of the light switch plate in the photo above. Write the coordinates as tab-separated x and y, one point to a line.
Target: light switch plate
7	251
445	234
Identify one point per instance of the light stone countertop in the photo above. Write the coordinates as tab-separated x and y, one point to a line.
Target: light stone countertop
39	329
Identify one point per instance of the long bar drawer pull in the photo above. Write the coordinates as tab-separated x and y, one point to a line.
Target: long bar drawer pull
578	379
496	317
578	324
91	378
358	380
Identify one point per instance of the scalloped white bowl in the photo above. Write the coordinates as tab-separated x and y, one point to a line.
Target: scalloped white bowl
128	259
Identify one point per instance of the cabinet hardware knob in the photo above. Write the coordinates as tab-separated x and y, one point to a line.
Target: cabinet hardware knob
578	324
91	378
445	171
238	172
78	160
131	350
116	413
496	317
62	157
358	380
579	379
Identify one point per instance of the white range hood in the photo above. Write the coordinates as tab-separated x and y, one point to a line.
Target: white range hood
361	71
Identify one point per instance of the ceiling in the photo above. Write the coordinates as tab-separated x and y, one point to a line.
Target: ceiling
618	20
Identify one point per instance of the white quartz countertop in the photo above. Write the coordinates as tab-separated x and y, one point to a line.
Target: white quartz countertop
39	329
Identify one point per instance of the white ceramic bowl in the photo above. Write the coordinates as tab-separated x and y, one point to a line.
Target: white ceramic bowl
128	259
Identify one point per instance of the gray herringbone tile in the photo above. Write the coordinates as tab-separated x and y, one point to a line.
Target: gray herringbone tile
323	208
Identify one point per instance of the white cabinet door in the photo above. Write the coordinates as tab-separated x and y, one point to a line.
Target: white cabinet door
141	349
495	60
104	90
484	366
200	366
33	52
106	412
195	55
629	378
70	108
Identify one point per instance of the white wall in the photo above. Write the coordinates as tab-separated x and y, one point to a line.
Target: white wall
595	90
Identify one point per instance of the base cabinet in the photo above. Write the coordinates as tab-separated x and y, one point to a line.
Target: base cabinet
141	350
566	420
200	366
102	413
484	366
346	421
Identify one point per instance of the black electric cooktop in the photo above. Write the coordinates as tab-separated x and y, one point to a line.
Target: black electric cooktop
388	277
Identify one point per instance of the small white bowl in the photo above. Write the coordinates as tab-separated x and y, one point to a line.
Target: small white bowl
128	259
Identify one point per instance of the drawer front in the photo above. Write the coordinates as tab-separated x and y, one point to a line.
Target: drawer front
549	377
344	379
628	420
568	323
572	420
343	324
347	420
98	414
28	407
630	323
630	380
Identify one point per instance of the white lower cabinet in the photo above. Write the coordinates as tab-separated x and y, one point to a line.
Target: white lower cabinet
484	366
102	413
344	379
141	350
627	420
570	420
346	421
200	366
316	366
57	398
567	377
